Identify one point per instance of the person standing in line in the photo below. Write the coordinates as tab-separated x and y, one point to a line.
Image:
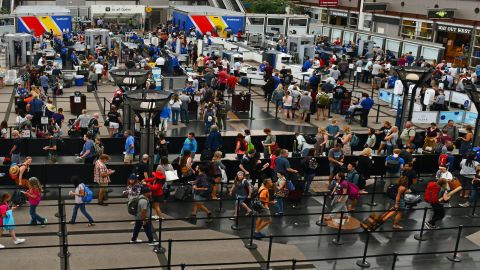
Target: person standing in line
92	79
190	144
201	192
101	176
185	99
98	67
264	218
7	212
164	116
156	184
88	150
79	193
129	147
16	147
175	104
142	217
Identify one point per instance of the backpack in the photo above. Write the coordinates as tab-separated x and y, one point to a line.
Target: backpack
256	204
354	141
393	165
132	205
90	123
290	186
323	99
88	196
243	145
310	139
250	146
392	191
443	160
418	140
97	150
312	163
432	193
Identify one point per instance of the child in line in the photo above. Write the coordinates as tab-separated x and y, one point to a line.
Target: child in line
6	213
34	196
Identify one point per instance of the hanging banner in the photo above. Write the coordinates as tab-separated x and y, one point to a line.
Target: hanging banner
457	117
424	117
328	3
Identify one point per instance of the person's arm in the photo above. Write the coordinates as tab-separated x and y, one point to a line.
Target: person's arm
401	190
86	153
243	169
346	139
13	149
411	138
143	215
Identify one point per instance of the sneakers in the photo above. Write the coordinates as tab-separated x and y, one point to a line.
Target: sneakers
45	220
153	243
467	204
430	226
156	217
259	236
136	241
19	241
2	246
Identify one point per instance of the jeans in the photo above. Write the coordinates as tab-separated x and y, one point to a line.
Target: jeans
364	117
305	152
80	206
339	207
147	227
175	115
16	159
336	105
389	149
279	205
473	195
308	180
163	124
35	217
438	213
222	122
184	116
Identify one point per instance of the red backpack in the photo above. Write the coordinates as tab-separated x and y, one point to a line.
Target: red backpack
432	193
443	160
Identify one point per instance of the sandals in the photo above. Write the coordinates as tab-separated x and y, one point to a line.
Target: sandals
90	224
397	227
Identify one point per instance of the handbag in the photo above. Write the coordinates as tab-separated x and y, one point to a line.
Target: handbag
171	175
9	221
224	176
454	184
273	147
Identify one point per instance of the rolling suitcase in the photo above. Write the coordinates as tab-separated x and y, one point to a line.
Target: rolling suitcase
241	103
244	81
296	195
89	87
373	222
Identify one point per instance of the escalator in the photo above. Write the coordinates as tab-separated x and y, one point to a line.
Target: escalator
234	5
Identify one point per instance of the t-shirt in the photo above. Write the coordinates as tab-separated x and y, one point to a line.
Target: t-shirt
17	142
410	174
305	102
78	199
335	154
88	145
128	143
44	81
98	68
83	119
332	130
201	182
407	156
143	204
406	134
264	196
113	117
3	211
281	165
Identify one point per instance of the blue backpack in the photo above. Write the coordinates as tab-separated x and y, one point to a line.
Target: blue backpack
88	196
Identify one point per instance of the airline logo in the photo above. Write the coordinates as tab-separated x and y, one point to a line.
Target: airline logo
42	24
216	24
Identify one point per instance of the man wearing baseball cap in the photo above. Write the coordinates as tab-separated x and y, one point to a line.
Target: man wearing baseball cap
142	218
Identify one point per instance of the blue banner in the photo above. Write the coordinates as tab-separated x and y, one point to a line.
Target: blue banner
471	118
457	117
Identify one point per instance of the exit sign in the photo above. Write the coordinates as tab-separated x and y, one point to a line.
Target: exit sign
328	3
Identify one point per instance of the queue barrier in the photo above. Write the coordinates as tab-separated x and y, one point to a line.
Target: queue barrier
336	239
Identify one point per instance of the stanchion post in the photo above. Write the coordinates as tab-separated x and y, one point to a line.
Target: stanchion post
322	216
372	199
182	266
363	262
276	110
330	109
104	105
294	264
251	110
250	244
235	226
269	254
64	253
336	240
378	113
455	257
394	262
268	103
372	92
249	85
354	79
220	202
169	255
420	236
159	249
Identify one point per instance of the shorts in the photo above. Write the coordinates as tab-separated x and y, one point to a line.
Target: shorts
240	200
304	110
114	125
157	199
287	107
127	158
466	182
321	106
332	170
264	215
198	198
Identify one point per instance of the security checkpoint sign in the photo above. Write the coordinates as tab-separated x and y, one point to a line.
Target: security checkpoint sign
425	117
77	99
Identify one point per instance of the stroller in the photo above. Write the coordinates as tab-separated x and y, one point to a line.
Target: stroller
73	128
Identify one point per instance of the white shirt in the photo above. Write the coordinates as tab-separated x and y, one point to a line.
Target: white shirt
331	81
98	68
40	62
160	61
302	143
236	66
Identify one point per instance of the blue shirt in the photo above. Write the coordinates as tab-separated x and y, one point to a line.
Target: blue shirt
307	65
36	105
22	92
130	141
367	103
214	141
276	82
281	165
165	113
44	81
262	67
190	145
88	145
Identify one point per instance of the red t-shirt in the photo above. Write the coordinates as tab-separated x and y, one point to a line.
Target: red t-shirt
232	81
3	212
222	77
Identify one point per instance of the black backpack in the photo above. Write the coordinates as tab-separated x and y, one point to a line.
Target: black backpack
393	165
132	205
310	139
392	191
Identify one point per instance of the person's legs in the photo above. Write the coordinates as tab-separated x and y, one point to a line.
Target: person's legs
136	229
85	213
156	206
308	181
438	213
33	215
148	231
397	219
74	213
101	194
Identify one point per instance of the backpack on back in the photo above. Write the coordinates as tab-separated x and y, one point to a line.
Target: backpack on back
256	204
443	160
88	196
132	205
355	140
392	191
323	99
393	165
432	193
310	139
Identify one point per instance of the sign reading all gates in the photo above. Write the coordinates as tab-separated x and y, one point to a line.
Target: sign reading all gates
328	3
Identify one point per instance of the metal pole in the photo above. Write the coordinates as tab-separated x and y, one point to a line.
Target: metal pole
354	80
251	110
249	85
220	202
378	113
363	263
455	257
337	241
182	266
329	109
372	200
251	245
159	249
420	237
412	102
269	255
268	103
169	256
104	105
320	221
395	255
235	226
276	111
294	264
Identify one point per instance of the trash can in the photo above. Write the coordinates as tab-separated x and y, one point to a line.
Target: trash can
79	79
78	102
241	102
